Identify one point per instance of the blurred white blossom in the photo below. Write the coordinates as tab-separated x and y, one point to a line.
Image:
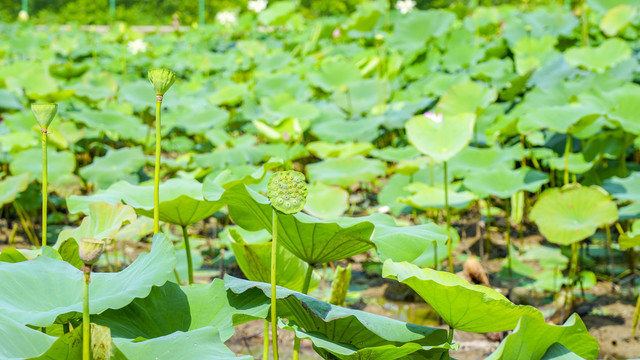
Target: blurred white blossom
336	33
226	18
257	6
137	46
23	16
437	118
405	6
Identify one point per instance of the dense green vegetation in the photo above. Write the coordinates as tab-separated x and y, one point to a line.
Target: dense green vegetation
390	128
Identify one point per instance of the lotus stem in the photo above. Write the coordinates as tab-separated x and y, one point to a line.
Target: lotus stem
265	344
86	326
567	151
156	183
610	254
305	290
187	248
636	315
274	251
448	218
44	186
436	265
507	239
450	338
488	239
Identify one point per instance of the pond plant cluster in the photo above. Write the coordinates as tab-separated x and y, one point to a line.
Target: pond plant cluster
283	144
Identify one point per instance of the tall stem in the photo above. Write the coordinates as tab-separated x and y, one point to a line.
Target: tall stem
636	315
436	264
187	248
447	216
305	289
156	184
86	325
507	238
265	343
610	253
488	239
567	151
450	338
44	187
274	252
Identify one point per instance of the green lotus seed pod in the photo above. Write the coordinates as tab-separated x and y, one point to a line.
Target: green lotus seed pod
161	79
90	250
44	113
287	191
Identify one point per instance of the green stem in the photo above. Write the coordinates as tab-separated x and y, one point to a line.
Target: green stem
448	218
610	253
274	252
265	344
156	184
44	186
567	151
305	289
436	265
450	338
175	273
507	239
488	240
86	326
636	315
187	248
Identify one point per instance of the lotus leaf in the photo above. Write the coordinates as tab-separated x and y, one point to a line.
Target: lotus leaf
569	215
103	222
115	165
429	197
466	307
60	163
441	140
608	54
326	201
11	186
346	172
617	19
533	337
503	182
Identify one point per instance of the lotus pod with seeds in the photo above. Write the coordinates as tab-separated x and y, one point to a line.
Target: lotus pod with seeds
161	79
287	191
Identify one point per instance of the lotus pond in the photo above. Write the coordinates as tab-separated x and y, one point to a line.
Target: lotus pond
394	184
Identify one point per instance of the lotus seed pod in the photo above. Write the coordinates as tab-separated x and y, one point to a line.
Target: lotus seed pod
44	113
287	191
90	250
161	80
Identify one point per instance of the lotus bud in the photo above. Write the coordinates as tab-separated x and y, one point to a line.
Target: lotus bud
287	191
44	113
90	250
23	16
161	80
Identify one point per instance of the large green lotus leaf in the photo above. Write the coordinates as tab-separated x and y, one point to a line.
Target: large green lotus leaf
204	343
610	53
11	186
21	342
334	74
312	240
326	201
17	141
347	130
138	93
255	262
558	352
392	154
60	163
559	118
277	14
441	140
201	121
214	187
533	337
426	197
69	346
9	101
503	182
565	216
414	244
57	290
103	222
532	53
230	94
617	19
577	163
473	159
11	255
341	327
114	166
346	172
359	97
466	97
466	307
624	103
324	150
624	189
411	33
115	124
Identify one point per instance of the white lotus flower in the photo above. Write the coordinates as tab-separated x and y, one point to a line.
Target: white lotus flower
437	118
405	6
137	46
257	6
226	18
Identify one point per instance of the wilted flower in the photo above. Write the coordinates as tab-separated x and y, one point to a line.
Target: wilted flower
257	6
336	33
90	249
437	118
226	18
137	46
23	16
405	6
